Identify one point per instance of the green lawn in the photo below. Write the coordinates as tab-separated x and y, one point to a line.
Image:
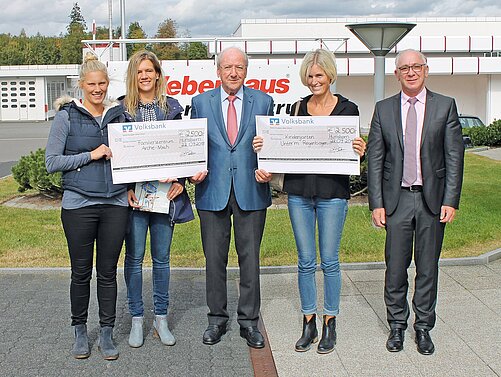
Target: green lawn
35	238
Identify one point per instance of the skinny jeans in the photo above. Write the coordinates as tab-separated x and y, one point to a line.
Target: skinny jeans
104	226
330	214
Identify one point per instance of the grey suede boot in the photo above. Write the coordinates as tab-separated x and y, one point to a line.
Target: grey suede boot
136	338
105	343
161	330
81	348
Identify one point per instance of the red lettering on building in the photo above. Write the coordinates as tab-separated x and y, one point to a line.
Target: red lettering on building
191	87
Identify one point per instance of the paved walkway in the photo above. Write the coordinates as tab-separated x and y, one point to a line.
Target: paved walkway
467	335
492	153
36	338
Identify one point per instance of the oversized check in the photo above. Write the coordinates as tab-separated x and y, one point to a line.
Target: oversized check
146	151
308	145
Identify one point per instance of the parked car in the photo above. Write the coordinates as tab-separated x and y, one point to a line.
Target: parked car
468	121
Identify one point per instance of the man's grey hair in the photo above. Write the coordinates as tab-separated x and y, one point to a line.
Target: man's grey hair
219	56
397	58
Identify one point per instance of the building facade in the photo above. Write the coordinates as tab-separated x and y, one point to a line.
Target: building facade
464	56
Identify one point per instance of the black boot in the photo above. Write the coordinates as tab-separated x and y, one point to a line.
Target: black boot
309	335
328	340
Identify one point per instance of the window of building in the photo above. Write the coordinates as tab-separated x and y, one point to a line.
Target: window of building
55	89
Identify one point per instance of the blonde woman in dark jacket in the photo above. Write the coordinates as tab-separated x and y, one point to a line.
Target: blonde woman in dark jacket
94	210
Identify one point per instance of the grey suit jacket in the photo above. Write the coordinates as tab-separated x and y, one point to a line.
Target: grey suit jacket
442	154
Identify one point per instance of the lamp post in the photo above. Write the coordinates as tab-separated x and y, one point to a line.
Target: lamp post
123	47
380	38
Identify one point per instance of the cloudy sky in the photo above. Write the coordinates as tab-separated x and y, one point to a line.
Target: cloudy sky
217	17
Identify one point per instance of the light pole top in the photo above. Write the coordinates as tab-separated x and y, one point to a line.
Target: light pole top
380	37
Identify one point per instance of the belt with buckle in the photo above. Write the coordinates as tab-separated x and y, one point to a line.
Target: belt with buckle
413	188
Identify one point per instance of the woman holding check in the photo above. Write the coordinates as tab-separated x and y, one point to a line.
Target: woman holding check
146	101
321	198
94	210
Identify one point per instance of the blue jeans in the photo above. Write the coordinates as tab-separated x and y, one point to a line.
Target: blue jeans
331	214
161	230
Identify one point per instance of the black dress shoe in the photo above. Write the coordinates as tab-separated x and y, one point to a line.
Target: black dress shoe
213	334
253	336
424	344
395	342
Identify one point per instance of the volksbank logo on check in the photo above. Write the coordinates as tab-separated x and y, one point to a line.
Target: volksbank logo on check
274	121
126	128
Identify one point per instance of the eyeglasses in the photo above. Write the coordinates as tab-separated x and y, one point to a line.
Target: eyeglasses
238	68
417	68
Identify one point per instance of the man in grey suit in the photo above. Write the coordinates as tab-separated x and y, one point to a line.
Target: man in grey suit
232	189
415	172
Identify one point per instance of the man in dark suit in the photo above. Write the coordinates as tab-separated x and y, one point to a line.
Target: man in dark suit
232	187
415	173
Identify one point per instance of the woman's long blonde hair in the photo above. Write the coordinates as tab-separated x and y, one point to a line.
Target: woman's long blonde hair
132	97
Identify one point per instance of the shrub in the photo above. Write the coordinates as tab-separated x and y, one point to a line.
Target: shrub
190	189
490	136
358	183
30	173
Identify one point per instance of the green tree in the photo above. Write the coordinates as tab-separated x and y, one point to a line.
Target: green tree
103	32
12	53
72	42
77	21
197	51
43	50
136	31
167	51
193	50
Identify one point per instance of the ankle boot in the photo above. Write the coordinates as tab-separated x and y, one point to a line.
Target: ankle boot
309	335
105	343
328	340
136	338
81	348
161	330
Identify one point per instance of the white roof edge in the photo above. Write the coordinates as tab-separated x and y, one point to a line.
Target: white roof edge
367	19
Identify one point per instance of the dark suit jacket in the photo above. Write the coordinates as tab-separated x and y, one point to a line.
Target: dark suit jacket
231	164
442	153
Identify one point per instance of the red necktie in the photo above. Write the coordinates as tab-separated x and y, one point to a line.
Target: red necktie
231	120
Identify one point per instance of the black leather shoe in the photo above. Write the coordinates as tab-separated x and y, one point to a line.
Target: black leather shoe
309	335
213	334
253	336
395	342
424	344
